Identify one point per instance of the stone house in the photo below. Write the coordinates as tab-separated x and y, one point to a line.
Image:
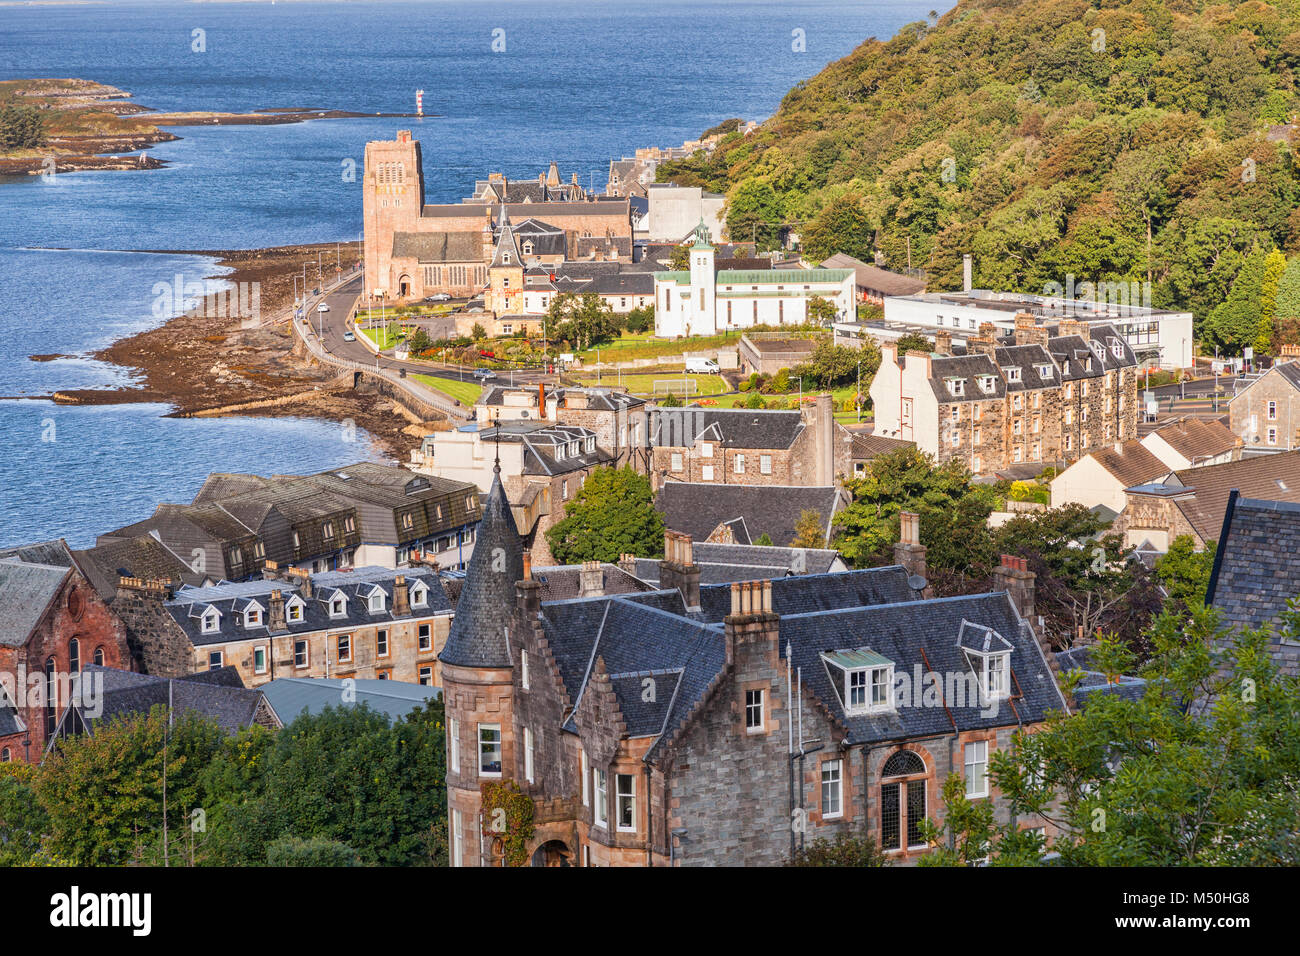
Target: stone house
1193	442
745	447
1265	414
369	623
619	421
723	725
52	624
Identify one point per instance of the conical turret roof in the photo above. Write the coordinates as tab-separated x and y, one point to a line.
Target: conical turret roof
506	244
487	599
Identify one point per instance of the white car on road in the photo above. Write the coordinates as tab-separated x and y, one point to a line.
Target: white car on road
323	307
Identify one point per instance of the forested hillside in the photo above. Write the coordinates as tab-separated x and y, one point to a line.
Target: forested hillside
1113	141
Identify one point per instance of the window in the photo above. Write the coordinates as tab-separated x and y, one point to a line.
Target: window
625	801
1013	374
706	473
832	784
902	801
677	461
300	656
765	464
582	772
253	617
1017	402
425	638
977	765
74	656
528	755
955	438
216	659
1017	453
753	711
1068	443
1272	435
338	606
344	648
1069	416
426	675
4	755
1272	411
957	386
867	689
993	677
453	745
457	837
600	810
259	660
706	449
376	601
738	464
977	411
211	621
327	530
489	750
956	413
99	656
381	643
293	611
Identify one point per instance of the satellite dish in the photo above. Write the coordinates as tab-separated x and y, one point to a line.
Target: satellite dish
916	582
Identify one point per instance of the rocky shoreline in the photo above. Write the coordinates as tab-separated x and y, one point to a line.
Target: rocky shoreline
198	363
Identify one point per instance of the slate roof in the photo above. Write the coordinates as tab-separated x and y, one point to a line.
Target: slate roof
1029	359
143	556
543	443
53	553
439	246
561	582
874	278
697	508
813	593
219	695
231	600
900	632
866	447
968	369
26	592
1257	564
724	563
290	696
487	599
738	427
547	240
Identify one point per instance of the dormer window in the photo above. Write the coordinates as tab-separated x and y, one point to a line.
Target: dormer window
866	680
293	611
1117	350
211	621
1012	373
419	595
986	384
377	601
957	386
253	616
1044	371
989	654
338	606
527	250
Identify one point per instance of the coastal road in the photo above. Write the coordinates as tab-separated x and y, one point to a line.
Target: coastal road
334	323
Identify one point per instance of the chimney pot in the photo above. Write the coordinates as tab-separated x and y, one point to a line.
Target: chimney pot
528	565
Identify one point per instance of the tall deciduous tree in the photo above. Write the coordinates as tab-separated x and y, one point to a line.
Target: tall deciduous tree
611	515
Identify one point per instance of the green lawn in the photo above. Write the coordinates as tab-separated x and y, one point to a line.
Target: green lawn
466	393
383	337
644	383
645	345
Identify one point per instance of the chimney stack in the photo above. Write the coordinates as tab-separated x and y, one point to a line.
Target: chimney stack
401	596
966	273
909	552
1014	577
301	578
591	579
943	342
1028	331
627	562
985	343
752	622
541	399
678	569
528	593
275	620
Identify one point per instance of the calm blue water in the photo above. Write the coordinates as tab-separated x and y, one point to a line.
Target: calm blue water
578	83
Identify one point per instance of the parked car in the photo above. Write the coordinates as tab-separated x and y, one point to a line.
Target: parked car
440	297
349	337
323	307
701	366
485	375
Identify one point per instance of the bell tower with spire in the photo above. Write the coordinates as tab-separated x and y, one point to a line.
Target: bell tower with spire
505	294
477	676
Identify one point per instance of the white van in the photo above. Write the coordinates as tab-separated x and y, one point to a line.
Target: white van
701	366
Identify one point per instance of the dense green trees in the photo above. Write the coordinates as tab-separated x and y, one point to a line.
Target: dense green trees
611	515
21	127
341	787
583	320
1130	141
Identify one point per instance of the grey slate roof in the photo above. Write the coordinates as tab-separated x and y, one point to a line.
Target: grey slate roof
697	508
219	695
562	582
968	369
439	246
143	556
812	593
232	599
724	563
1257	565
737	427
487	598
53	553
26	592
290	696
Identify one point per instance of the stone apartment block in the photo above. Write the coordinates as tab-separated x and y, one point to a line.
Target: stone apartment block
745	447
368	623
1043	395
1265	415
52	624
670	728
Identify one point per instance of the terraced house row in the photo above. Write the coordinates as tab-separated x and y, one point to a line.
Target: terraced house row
1043	394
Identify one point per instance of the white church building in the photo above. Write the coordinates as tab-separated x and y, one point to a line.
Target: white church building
705	301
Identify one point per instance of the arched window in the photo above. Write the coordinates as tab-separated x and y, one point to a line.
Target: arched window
51	698
4	755
74	656
902	801
99	656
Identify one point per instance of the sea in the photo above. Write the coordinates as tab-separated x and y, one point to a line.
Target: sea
508	87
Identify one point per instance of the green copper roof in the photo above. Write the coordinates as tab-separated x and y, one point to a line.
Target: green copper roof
681	278
852	660
702	236
791	276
